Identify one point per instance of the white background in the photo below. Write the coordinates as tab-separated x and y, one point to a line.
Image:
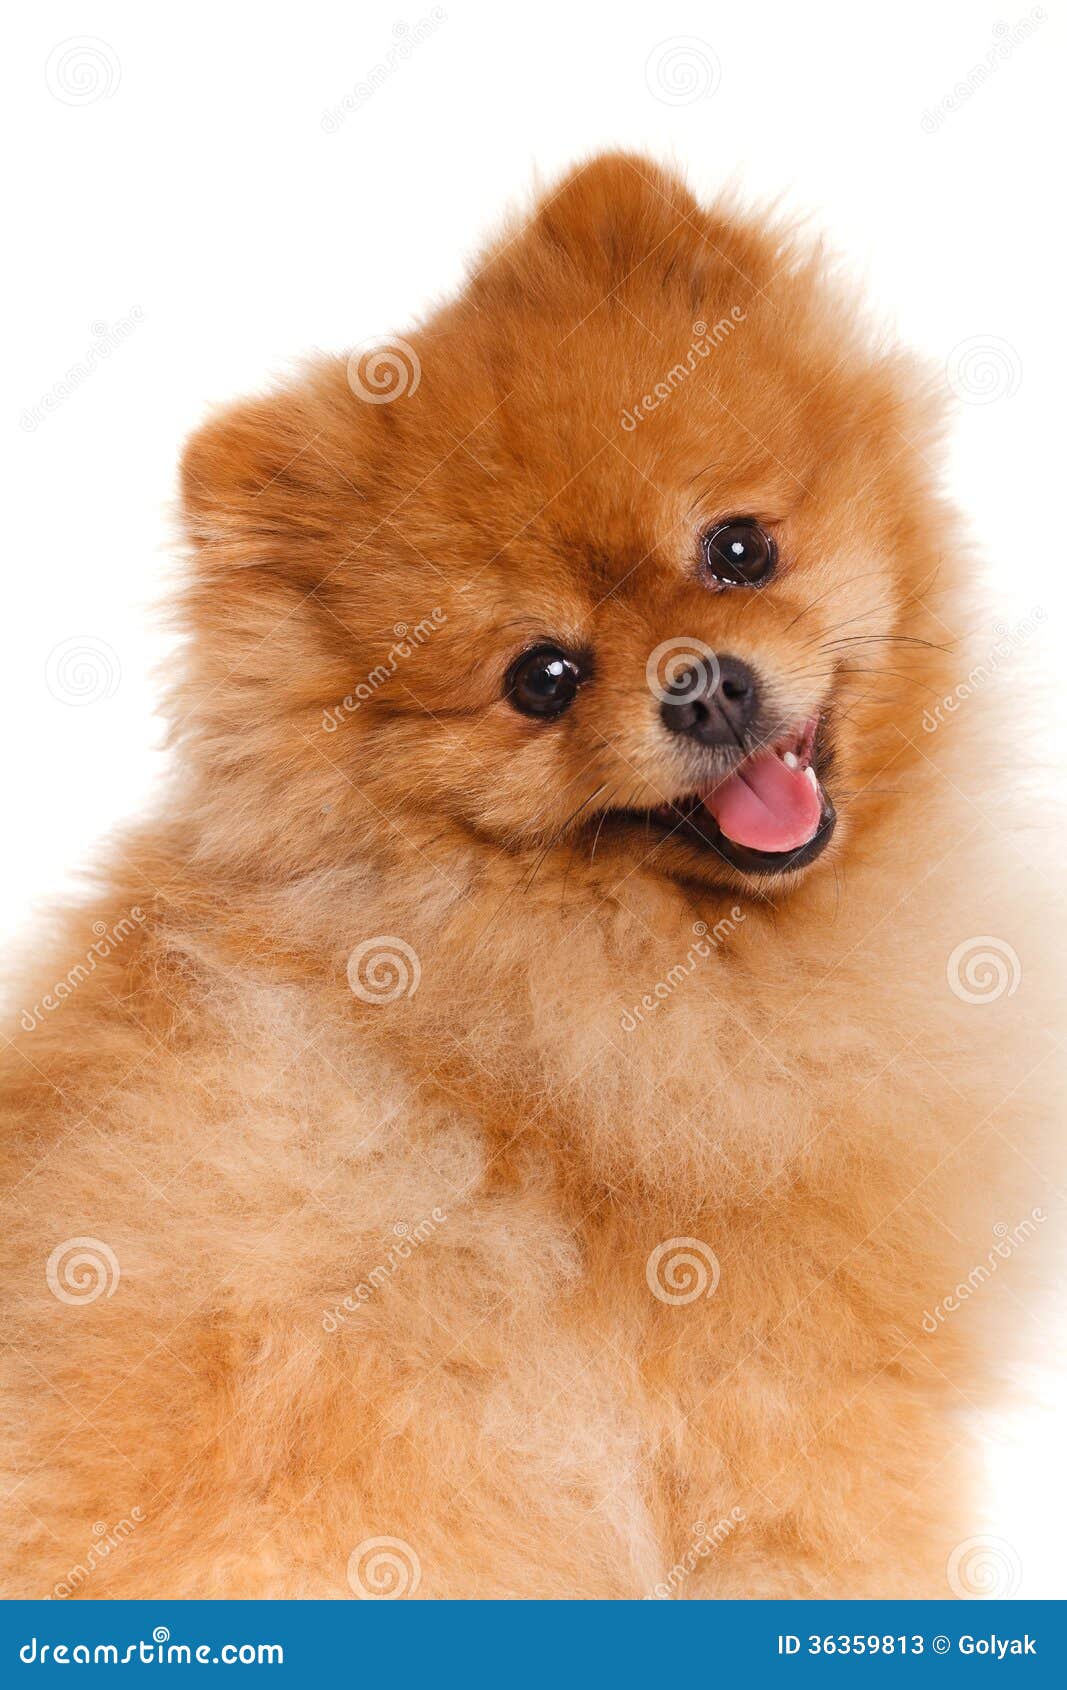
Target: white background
190	189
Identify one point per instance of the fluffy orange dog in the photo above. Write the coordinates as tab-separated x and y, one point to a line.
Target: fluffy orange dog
512	1125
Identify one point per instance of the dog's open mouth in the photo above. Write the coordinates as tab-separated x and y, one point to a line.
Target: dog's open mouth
770	814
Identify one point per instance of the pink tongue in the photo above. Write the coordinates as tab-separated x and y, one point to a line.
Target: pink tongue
766	806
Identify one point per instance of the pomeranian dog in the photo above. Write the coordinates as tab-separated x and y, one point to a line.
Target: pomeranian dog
518	1122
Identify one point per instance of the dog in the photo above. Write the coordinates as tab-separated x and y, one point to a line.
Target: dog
512	1124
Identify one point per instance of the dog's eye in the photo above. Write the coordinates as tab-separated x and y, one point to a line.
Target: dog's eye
543	682
739	553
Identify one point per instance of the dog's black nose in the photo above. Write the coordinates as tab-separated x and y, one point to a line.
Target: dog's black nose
713	702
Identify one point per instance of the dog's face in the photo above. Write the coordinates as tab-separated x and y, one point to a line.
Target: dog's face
622	556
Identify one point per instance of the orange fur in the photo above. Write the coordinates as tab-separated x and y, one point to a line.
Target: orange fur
809	1101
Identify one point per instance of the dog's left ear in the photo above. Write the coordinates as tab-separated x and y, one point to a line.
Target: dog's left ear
265	483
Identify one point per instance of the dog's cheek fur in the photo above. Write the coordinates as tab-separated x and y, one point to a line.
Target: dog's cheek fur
596	1060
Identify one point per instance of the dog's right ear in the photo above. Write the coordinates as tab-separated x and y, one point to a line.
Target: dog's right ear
614	217
616	210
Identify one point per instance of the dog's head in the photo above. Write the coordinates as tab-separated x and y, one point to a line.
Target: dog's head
622	555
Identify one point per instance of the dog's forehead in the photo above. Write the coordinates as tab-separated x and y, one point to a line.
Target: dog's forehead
559	495
609	423
621	372
607	442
